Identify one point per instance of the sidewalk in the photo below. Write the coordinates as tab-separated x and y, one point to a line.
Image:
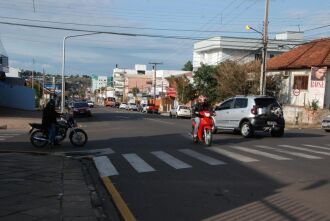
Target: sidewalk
34	187
18	119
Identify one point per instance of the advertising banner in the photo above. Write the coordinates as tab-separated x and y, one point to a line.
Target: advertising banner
317	85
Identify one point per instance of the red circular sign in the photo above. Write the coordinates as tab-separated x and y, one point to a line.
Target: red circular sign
296	92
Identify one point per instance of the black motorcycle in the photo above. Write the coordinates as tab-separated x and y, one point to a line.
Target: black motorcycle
39	134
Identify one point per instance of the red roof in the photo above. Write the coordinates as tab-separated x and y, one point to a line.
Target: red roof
315	53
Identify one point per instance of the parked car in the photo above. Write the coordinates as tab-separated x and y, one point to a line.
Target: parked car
180	111
90	104
326	123
247	114
132	106
80	108
141	106
123	106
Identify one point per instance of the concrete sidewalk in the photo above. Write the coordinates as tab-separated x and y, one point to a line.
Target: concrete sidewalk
16	119
35	187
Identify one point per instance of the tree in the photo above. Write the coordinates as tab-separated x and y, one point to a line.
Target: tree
206	83
188	66
135	91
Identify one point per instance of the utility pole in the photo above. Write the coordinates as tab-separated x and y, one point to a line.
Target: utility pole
32	80
264	52
155	68
43	87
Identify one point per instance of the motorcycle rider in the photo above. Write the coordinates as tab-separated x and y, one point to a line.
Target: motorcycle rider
201	105
49	116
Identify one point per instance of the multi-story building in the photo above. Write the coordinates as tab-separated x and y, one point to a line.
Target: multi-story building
3	61
99	82
215	50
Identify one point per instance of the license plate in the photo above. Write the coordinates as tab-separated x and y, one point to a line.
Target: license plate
271	123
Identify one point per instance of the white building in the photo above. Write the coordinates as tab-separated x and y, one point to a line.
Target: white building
99	82
218	49
13	72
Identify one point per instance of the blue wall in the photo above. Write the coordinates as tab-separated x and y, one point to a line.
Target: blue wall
15	96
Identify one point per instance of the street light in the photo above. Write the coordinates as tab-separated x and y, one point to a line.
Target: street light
63	63
264	49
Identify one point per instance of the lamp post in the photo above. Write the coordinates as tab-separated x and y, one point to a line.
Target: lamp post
63	63
264	49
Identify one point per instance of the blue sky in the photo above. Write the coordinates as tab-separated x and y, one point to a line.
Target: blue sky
99	54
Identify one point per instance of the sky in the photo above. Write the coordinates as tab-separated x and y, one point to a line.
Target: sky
38	48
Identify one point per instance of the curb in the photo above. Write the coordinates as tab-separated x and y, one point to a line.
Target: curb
3	127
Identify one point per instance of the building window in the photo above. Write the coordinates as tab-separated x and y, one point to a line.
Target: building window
300	82
141	72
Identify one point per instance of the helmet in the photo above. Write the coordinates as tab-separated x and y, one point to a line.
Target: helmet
51	103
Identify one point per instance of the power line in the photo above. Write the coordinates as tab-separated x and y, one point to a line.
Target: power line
311	29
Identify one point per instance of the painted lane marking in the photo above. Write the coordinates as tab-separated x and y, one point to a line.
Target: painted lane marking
104	166
232	155
170	160
298	154
105	151
261	153
206	159
9	134
305	149
5	136
2	139
316	146
138	163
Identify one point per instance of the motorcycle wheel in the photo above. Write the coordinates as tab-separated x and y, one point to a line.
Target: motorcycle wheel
195	139
38	143
208	137
78	138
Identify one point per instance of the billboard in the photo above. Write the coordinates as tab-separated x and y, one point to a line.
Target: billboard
317	85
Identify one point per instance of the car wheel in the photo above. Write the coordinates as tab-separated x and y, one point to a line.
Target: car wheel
277	132
247	129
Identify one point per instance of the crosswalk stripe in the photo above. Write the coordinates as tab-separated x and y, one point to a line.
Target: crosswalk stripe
316	146
9	134
138	163
290	152
232	155
261	153
170	160
6	136
305	149
104	166
206	159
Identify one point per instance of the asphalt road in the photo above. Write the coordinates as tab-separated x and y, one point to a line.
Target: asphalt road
162	175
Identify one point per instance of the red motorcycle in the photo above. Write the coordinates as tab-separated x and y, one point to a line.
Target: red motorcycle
204	133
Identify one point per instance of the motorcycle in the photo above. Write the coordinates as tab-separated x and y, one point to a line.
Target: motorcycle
39	134
204	133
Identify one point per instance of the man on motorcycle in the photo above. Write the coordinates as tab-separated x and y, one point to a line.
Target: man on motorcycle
49	116
201	105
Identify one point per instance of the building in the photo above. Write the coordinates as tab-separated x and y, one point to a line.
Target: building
218	49
99	82
305	75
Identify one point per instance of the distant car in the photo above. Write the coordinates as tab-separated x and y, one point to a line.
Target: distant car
141	106
80	109
180	111
326	123
151	108
123	106
132	106
90	103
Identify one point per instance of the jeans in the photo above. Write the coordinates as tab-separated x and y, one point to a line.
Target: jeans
52	132
197	121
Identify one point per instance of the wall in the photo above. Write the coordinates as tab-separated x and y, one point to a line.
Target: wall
302	116
19	97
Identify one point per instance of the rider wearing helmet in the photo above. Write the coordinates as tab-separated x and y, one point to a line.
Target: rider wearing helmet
201	105
49	116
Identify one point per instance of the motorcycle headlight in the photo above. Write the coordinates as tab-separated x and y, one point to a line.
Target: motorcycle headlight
207	114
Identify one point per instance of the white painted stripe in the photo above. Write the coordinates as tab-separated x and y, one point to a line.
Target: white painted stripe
202	157
305	149
2	139
170	160
104	166
316	146
261	153
5	136
232	155
137	163
9	134
104	151
297	154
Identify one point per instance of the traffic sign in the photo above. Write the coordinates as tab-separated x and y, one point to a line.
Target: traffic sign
296	92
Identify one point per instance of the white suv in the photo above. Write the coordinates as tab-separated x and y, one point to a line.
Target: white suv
249	113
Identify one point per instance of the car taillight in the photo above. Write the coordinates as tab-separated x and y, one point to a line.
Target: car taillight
254	110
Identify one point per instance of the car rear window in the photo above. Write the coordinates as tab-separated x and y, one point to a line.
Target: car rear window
265	102
80	104
183	107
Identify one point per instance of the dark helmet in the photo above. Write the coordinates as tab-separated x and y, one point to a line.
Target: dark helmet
51	103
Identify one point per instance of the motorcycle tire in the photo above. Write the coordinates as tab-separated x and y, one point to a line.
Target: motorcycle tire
208	137
195	139
39	143
78	138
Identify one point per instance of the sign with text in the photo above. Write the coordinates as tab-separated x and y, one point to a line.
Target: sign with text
317	85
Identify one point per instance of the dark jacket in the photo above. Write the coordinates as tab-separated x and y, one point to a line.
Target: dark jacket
201	107
49	115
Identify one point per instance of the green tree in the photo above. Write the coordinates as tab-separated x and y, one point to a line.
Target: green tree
135	91
188	66
206	83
